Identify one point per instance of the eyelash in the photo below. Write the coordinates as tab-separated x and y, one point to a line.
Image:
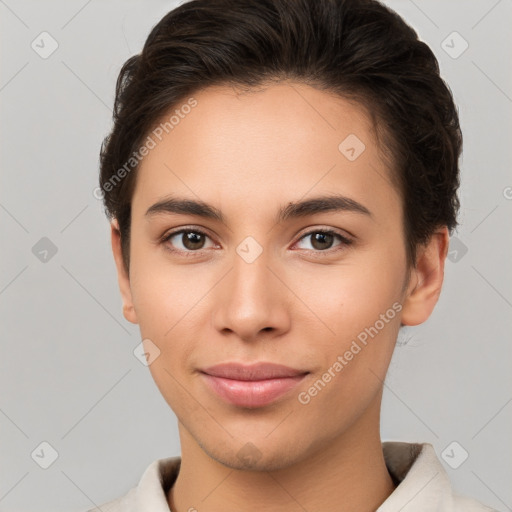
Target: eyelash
345	242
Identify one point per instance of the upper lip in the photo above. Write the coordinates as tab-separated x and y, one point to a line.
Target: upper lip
257	371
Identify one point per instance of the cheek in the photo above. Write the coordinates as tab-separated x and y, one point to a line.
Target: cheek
363	310
360	302
162	293
351	297
172	309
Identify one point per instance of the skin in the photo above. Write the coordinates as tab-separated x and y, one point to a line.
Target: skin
296	304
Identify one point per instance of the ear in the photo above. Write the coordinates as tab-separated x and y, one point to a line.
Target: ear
122	275
426	279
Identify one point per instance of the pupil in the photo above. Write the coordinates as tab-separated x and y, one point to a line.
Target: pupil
321	237
192	240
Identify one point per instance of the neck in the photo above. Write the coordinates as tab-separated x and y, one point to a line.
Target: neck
348	474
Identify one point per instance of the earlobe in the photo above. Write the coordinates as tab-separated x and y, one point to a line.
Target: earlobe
426	280
122	275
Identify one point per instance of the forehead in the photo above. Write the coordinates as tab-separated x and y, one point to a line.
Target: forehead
281	141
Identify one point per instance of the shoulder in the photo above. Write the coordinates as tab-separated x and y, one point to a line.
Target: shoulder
151	491
422	483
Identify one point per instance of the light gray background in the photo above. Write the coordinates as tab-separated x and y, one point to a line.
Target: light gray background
68	375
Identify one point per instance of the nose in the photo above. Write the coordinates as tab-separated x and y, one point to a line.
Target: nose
251	302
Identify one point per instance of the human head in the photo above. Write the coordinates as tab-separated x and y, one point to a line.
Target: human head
358	49
256	133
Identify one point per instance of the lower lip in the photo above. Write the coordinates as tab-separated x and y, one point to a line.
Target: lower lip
251	394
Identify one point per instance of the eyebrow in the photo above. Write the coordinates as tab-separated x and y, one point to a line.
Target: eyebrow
322	204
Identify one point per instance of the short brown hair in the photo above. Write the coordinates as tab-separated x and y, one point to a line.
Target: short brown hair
357	49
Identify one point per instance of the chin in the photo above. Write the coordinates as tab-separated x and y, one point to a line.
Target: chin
247	463
258	455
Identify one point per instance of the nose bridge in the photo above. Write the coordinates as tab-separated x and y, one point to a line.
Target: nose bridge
251	280
250	297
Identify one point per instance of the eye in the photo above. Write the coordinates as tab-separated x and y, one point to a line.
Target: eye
322	240
186	240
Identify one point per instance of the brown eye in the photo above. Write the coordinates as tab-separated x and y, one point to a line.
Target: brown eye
192	240
186	240
323	240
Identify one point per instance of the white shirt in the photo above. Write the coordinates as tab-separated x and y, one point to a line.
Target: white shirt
423	484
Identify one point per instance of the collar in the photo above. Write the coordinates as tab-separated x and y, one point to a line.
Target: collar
422	484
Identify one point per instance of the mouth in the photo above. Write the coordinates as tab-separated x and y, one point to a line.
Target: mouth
253	385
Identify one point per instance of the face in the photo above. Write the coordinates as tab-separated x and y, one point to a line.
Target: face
320	288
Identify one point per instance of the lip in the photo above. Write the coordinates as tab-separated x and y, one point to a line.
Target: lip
253	385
